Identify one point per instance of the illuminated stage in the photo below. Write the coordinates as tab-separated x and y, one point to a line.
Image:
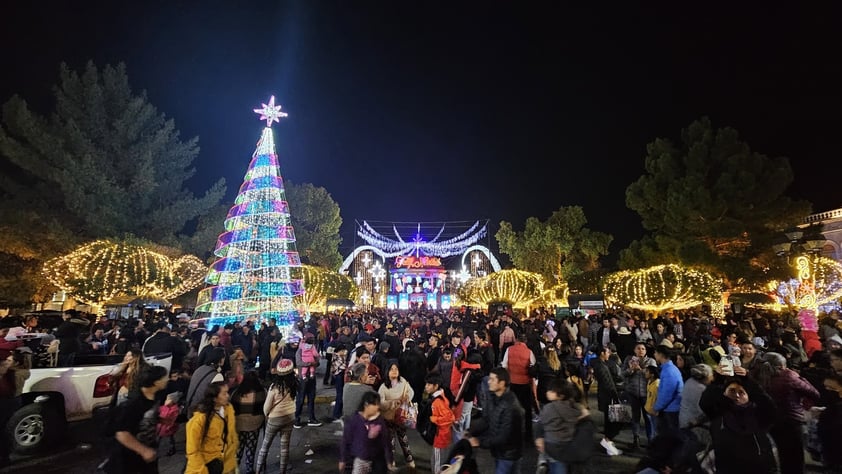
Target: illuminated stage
420	271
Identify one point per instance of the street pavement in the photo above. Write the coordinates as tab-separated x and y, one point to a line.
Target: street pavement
312	449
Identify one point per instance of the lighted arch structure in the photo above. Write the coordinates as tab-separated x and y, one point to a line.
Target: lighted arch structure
343	269
484	250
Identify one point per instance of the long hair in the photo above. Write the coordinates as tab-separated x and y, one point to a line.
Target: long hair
552	359
387	381
208	406
134	368
285	384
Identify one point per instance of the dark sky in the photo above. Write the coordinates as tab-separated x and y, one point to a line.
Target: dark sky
435	111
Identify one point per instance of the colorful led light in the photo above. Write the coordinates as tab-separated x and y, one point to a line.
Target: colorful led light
254	277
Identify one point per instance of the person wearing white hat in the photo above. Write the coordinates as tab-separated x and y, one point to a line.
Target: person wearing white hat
279	408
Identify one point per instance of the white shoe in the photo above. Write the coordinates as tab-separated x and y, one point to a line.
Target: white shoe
610	449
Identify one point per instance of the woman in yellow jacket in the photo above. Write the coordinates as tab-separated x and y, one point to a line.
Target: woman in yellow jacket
212	434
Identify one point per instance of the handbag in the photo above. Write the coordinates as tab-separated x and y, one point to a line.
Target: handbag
619	412
214	466
407	412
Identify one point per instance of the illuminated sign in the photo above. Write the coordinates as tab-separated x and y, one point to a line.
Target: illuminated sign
417	262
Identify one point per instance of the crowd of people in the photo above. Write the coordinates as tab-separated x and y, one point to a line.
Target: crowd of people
744	392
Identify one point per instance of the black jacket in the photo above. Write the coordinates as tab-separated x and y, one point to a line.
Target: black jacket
68	335
740	434
413	367
504	435
606	382
161	343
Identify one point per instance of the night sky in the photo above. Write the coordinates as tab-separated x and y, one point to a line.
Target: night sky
439	111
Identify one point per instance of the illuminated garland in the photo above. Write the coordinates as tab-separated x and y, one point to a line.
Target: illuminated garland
818	284
101	270
323	284
417	246
662	287
513	286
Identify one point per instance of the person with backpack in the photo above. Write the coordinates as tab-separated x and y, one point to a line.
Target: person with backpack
441	416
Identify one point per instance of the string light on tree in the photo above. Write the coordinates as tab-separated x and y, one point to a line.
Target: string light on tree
101	270
661	288
323	284
513	286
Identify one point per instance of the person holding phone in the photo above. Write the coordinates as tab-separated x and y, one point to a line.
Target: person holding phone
634	368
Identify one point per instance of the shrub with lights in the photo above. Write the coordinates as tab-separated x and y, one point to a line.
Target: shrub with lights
323	284
517	287
661	288
101	270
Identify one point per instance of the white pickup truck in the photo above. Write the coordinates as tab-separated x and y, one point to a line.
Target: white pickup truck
55	396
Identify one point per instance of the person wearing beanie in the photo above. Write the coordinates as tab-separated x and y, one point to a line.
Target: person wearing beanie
279	410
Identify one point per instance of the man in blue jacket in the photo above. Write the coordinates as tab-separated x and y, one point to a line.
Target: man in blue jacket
668	402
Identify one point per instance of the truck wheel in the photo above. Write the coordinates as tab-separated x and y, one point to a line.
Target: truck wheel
30	428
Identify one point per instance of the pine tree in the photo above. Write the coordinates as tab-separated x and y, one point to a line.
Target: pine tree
254	276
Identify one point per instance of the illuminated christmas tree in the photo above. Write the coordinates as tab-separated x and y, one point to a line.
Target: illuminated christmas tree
253	277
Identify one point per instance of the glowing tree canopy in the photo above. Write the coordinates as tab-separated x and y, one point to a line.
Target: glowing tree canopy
101	270
819	282
661	288
323	284
513	286
253	278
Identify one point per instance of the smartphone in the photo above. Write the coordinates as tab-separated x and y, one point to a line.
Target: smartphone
726	366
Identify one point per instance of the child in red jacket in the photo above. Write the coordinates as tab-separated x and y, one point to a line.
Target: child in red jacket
167	415
442	417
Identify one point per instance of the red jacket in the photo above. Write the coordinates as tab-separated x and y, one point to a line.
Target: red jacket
167	415
443	418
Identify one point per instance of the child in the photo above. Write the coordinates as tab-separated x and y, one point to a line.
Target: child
167	415
557	423
309	357
442	417
653	375
365	439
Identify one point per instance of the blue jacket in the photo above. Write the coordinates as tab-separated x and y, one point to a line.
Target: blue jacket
669	390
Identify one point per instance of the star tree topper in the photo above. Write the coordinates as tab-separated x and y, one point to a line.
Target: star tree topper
271	112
